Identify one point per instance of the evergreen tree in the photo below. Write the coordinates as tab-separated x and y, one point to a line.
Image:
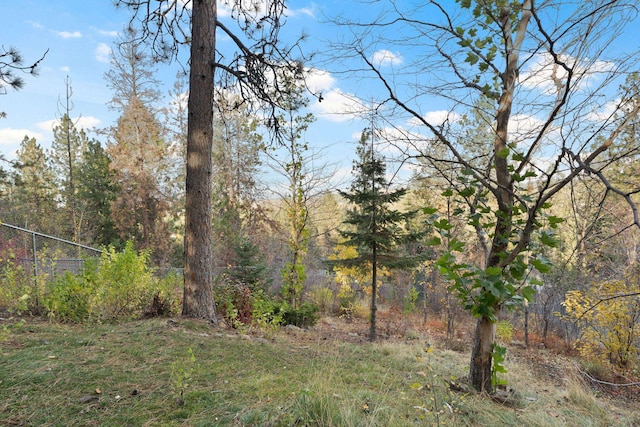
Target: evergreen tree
65	158
97	191
236	165
137	160
34	187
375	227
139	152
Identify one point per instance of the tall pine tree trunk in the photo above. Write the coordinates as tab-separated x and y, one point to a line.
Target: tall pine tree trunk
198	279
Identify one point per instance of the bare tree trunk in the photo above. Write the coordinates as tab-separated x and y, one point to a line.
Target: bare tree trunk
198	279
526	324
482	355
374	291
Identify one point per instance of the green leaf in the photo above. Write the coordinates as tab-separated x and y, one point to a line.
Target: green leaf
503	153
447	193
493	271
554	221
471	58
467	192
456	245
429	211
528	293
548	239
541	265
436	241
442	224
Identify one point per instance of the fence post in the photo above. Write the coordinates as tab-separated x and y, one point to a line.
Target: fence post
35	258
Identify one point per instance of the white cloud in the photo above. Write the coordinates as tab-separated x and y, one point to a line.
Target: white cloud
103	52
318	80
386	57
86	122
543	73
81	122
436	118
68	35
523	126
338	106
13	137
36	25
65	69
255	8
307	11
602	113
107	33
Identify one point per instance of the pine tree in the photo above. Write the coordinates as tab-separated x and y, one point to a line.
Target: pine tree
375	227
97	191
34	188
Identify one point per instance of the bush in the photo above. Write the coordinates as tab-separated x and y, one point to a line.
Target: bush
304	316
166	296
323	298
124	284
240	306
233	301
16	291
68	298
504	331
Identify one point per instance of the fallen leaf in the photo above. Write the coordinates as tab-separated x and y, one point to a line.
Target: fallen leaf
88	399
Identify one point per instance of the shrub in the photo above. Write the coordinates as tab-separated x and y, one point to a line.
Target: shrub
268	313
68	298
304	316
16	290
165	296
346	299
323	298
609	313
504	331
123	283
233	301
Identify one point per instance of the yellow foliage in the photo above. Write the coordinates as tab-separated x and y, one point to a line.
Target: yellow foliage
355	275
609	314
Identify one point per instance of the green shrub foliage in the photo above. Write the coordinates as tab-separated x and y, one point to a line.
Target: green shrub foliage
119	285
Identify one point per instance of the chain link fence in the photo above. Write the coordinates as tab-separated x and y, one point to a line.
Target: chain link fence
40	254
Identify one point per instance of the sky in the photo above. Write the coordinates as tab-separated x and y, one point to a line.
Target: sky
78	35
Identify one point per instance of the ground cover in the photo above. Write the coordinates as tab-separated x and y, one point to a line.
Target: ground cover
166	372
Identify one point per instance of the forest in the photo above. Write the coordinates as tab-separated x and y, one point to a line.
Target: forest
517	214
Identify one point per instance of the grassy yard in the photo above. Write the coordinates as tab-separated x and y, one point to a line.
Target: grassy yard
176	372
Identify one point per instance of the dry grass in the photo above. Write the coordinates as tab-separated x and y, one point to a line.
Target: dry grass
51	374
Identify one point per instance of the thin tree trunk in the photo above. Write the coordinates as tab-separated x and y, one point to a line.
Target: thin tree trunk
198	280
374	291
482	355
526	324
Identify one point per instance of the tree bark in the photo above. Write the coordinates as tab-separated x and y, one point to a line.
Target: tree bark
198	279
374	291
482	355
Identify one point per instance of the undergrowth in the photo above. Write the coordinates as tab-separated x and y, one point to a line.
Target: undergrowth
161	372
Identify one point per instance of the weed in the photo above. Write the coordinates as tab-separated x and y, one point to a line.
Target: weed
183	371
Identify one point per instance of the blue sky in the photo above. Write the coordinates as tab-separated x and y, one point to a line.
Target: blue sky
79	35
